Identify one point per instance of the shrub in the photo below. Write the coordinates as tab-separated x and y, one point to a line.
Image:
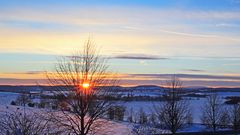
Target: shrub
119	112
31	104
41	105
116	112
13	103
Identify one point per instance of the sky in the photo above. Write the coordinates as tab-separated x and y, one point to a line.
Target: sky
147	41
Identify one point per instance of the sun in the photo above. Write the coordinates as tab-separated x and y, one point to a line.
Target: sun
85	85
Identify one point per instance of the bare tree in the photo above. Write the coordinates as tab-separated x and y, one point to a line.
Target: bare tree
130	115
235	116
143	130
212	111
23	99
224	118
21	123
152	119
85	85
142	116
174	112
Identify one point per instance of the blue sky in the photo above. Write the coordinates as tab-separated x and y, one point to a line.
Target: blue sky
190	4
197	37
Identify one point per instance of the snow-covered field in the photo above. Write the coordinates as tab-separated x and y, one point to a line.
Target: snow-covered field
7	97
124	128
112	128
195	103
147	107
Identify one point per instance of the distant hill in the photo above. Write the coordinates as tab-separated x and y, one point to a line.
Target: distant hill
9	88
146	88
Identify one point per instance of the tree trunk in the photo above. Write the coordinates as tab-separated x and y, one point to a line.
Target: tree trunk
82	126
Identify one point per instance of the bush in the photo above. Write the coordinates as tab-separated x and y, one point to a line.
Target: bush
64	106
31	104
116	112
119	112
130	116
152	119
23	99
13	103
41	105
232	100
54	107
111	113
142	117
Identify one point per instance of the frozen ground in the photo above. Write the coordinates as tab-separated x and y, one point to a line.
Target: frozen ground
195	103
112	128
148	107
118	128
109	127
7	97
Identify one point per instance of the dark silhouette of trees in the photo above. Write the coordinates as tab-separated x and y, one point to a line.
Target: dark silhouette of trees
23	99
142	117
212	112
224	118
174	112
20	123
235	116
84	83
116	112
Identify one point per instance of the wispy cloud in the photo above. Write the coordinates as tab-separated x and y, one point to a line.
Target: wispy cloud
187	76
153	79
28	72
202	37
16	81
229	25
186	83
115	26
104	16
139	57
194	70
35	72
187	79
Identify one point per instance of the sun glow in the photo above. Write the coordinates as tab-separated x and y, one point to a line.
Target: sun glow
85	85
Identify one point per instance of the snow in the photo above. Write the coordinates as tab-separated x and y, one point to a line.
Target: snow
147	106
143	93
194	128
196	108
114	128
124	128
110	127
7	97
